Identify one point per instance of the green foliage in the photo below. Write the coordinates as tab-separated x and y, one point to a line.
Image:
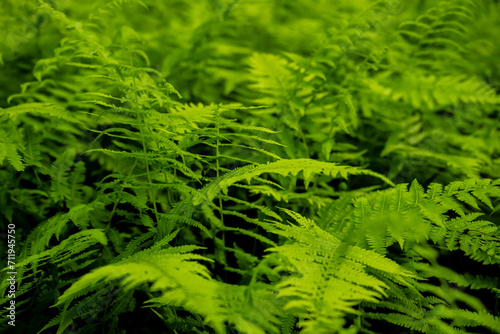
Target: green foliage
255	167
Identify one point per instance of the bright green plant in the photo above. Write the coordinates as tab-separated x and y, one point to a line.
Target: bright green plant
251	167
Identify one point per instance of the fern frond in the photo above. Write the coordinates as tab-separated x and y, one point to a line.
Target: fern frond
335	279
469	319
188	286
68	248
9	151
285	167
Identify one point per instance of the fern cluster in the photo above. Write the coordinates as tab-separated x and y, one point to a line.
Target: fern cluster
237	166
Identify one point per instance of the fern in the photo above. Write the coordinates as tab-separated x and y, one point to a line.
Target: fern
177	289
251	167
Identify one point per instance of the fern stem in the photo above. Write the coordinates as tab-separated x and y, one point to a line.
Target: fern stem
113	211
152	194
304	142
221	209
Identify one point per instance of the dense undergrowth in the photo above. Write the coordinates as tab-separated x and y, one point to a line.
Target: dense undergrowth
234	166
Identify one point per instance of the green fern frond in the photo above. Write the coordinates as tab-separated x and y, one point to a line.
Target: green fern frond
336	273
67	249
285	167
9	151
43	109
469	319
178	286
